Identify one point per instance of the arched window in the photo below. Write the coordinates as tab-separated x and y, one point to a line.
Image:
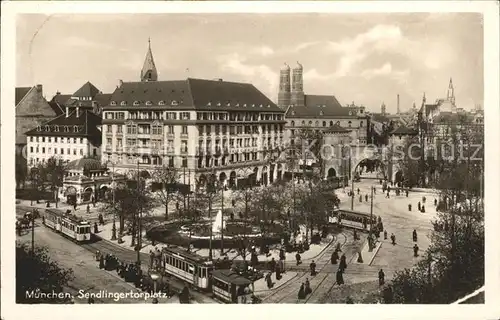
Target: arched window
47	128
136	103
292	123
350	123
310	123
113	103
331	123
161	103
361	124
123	103
303	123
324	123
56	128
148	103
66	128
338	123
316	124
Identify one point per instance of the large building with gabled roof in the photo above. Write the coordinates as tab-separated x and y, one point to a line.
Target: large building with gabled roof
87	97
201	127
70	136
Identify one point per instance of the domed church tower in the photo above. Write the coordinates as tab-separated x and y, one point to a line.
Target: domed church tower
148	72
284	90
297	96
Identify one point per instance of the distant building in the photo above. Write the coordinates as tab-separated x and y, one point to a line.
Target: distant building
31	110
318	113
88	97
70	136
201	127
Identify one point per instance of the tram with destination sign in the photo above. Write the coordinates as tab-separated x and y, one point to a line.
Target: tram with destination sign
352	219
67	224
199	272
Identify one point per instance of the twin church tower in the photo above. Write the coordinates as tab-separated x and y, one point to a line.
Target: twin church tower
291	90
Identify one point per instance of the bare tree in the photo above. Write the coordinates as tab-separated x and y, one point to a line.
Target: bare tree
167	177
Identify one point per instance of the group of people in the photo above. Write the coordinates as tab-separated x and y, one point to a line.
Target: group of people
305	289
277	267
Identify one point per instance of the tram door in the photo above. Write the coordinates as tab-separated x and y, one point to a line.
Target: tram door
234	296
196	278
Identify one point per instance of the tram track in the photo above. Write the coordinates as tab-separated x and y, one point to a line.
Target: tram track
288	289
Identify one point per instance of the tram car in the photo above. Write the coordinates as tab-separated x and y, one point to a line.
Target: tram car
67	224
230	287
352	219
199	272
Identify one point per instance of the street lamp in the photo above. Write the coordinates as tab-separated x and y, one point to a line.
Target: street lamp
370	236
113	230
154	276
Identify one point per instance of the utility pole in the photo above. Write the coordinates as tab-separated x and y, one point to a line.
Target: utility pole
113	230
139	216
184	182
351	176
222	222
209	191
371	220
33	232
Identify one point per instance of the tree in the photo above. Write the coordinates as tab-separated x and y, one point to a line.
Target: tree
36	182
37	272
266	207
167	177
52	173
453	265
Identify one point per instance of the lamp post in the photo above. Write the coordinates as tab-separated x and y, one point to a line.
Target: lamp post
210	189
113	230
139	217
370	242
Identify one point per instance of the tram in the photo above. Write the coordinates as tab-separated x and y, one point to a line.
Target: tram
230	287
199	272
352	219
67	224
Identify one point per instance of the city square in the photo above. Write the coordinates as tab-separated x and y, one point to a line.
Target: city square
190	188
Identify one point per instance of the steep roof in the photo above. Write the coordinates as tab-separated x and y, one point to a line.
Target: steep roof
336	129
454	118
404	130
429	108
149	66
58	109
61	99
317	106
85	164
378	117
198	93
85	125
87	90
21	92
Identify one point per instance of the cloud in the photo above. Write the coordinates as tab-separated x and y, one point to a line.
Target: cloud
387	71
313	74
263	51
259	75
73	41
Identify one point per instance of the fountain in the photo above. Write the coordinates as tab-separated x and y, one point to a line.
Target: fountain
218	224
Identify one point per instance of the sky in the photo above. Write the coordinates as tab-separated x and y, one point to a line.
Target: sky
362	58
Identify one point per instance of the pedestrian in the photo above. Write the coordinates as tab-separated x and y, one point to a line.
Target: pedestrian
302	293
423	209
423	199
88	208
312	268
385	234
335	257
366	198
269	282
435	202
415	250
419	206
387	196
272	265
74	206
381	277
101	262
343	263
298	258
307	287
340	278
360	198
407	193
95	228
355	235
409	207
414	235
338	247
278	271
358	190
393	239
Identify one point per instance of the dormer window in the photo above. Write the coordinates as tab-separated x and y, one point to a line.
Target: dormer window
218	104
237	104
293	113
260	106
321	113
66	128
113	103
136	103
75	128
228	104
253	105
209	104
123	103
56	128
47	128
174	103
149	103
161	103
269	106
39	128
245	105
350	113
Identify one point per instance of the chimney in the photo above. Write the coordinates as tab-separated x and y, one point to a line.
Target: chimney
120	83
39	88
67	112
77	111
58	93
398	111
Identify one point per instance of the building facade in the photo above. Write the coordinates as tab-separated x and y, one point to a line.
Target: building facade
31	110
201	127
87	97
70	136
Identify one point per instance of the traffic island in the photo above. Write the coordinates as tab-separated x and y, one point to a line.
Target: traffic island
366	255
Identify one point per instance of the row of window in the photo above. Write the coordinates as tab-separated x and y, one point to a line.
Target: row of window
56	139
248	129
185	266
316	123
55	128
148	160
239	116
208	161
148	103
61	150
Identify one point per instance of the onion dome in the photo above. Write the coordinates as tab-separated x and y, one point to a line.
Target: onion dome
285	67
